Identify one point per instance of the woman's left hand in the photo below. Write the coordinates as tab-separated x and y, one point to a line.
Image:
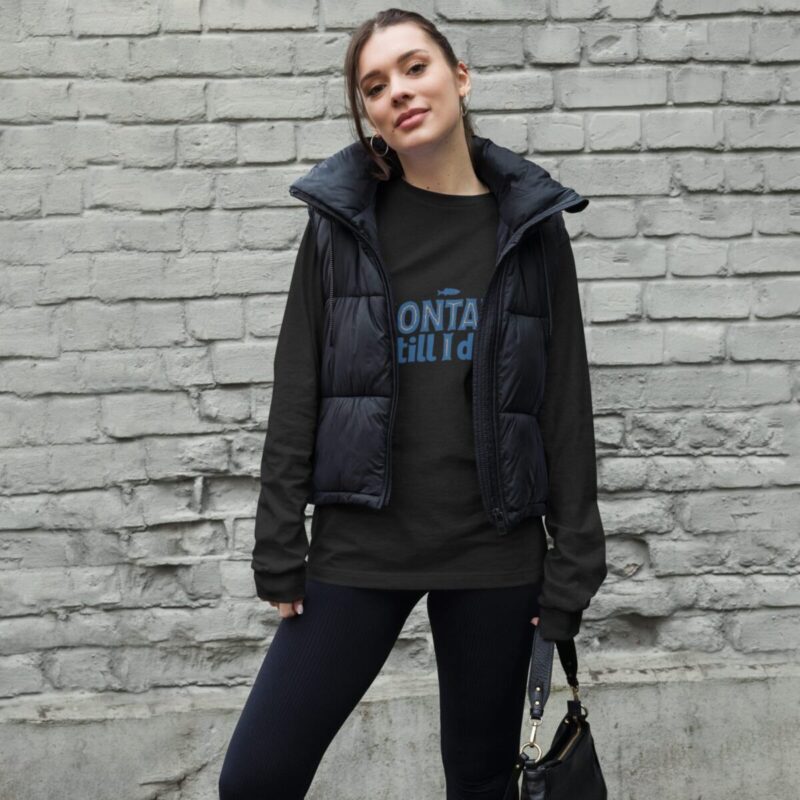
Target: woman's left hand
535	621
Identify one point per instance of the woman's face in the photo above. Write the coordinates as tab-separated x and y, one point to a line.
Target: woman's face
401	69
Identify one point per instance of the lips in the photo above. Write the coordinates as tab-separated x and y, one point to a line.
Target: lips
415	112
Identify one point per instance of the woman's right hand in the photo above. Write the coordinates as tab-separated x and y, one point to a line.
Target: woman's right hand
288	609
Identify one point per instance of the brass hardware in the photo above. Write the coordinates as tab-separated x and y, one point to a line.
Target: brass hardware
568	746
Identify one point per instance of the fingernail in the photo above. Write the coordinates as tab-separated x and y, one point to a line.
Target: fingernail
300	608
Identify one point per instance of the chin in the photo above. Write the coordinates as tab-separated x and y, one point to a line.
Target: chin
422	137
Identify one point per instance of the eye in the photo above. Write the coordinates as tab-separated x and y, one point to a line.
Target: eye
371	92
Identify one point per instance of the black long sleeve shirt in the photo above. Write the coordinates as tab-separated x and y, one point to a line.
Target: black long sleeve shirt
440	252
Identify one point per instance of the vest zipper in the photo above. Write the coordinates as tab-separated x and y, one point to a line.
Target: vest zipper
330	291
546	287
387	485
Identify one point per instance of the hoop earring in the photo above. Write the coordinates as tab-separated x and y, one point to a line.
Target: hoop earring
372	145
464	107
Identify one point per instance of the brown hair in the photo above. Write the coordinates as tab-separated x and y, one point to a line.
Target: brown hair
389	164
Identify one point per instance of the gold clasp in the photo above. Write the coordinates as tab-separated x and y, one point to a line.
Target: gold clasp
532	741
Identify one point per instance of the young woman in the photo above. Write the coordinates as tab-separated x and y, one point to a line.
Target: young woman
431	399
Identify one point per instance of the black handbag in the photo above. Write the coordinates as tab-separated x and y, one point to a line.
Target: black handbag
570	770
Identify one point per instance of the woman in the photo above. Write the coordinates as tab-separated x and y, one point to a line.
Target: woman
433	300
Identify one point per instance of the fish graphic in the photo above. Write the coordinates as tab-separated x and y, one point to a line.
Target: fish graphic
448	291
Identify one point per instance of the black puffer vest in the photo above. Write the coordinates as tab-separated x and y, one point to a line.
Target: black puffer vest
359	372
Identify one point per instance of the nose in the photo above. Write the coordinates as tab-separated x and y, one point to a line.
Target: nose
400	94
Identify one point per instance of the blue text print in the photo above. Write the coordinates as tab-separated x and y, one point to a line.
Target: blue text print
437	330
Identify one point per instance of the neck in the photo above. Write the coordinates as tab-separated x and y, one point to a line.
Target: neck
443	166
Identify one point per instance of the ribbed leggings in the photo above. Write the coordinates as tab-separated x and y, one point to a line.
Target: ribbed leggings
321	663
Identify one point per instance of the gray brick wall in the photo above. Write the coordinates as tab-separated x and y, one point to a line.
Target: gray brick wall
146	244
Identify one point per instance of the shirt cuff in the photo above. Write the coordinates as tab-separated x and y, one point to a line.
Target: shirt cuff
557	625
284	588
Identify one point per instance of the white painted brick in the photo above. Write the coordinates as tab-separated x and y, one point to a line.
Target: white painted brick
575	9
693	84
211	54
315	140
720	40
684	8
265	142
158	324
470	12
553	44
631	9
776	40
765	254
210	231
705	216
256	15
613	131
207	145
510	129
265	98
695	344
610	43
272	229
496	46
180	16
606	86
697	299
157	101
779	297
625	259
518	90
556	132
45	18
613	302
752	85
762	341
684	128
617	175
114	17
665	41
318	53
781	173
214	319
696	256
148	190
625	344
36	101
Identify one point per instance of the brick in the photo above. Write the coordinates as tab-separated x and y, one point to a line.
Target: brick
556	132
553	44
606	86
114	17
776	40
496	45
265	98
684	128
611	43
512	90
250	15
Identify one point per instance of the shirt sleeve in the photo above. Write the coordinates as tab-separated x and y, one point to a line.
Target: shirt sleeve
575	567
281	544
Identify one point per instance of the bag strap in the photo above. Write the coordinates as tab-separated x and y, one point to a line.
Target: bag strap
541	670
539	678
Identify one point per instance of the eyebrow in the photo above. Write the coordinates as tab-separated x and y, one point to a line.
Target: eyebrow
402	57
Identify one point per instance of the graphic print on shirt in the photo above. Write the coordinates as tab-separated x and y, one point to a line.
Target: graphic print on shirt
437	330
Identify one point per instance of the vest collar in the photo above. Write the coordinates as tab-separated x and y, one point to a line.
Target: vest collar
342	184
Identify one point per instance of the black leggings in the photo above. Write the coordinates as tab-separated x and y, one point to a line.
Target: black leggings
321	663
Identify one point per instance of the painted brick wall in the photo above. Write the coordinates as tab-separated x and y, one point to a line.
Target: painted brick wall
146	243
